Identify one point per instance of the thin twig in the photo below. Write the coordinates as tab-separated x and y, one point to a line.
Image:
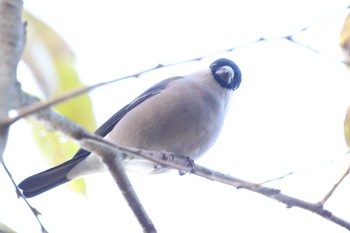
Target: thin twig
37	106
335	186
19	194
309	47
74	93
277	178
4	133
322	163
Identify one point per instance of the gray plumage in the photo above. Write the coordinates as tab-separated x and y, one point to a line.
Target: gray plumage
183	115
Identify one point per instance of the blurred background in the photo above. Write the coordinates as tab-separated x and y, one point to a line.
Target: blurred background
287	117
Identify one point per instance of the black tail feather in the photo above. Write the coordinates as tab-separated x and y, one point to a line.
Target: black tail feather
48	179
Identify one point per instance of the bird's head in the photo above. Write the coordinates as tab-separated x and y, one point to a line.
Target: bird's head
227	73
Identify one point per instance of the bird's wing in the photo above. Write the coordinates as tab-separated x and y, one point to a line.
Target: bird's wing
107	127
55	176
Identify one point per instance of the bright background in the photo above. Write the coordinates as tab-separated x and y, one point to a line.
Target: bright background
287	116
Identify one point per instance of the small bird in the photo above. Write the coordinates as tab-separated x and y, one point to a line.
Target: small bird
182	114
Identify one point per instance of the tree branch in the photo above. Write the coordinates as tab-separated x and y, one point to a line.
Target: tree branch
12	34
37	106
184	164
335	186
107	150
12	40
110	157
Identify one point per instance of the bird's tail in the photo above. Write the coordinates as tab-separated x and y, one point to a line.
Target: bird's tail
48	179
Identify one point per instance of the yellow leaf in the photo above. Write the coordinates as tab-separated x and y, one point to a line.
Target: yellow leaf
78	185
5	229
344	39
52	63
55	148
347	127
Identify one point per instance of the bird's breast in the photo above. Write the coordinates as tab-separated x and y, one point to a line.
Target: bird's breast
186	122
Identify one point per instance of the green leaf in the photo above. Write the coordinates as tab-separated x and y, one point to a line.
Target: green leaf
53	65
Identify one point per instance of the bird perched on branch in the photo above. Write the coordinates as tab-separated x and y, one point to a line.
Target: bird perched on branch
183	115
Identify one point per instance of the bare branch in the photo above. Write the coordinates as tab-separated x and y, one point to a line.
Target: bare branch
322	163
277	178
85	138
111	156
37	106
335	186
184	164
12	40
112	159
59	123
19	194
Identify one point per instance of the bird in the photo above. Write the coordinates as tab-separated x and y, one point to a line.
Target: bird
182	115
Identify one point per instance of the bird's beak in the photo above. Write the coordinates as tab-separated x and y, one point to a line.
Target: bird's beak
226	74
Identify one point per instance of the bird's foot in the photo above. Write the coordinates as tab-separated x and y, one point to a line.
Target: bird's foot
190	163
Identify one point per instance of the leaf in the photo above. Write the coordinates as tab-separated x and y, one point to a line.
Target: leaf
78	185
344	39
5	229
55	148
52	63
347	128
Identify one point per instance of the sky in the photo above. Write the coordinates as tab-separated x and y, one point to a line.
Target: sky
287	116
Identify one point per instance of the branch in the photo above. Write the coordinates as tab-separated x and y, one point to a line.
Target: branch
108	150
33	106
111	158
185	164
12	40
12	32
37	106
335	186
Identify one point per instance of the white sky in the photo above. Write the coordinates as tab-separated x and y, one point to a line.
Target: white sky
286	116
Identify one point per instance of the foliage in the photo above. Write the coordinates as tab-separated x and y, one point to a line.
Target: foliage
52	63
